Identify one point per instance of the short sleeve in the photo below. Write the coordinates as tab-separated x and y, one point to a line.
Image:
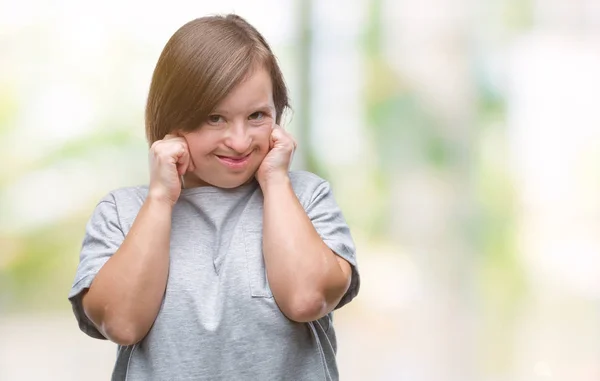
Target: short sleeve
103	236
329	222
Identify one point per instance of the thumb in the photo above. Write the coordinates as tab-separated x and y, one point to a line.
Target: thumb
276	134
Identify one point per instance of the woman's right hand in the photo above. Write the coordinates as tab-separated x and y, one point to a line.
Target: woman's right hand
169	160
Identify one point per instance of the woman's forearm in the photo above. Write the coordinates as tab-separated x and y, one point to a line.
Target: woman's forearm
307	279
125	296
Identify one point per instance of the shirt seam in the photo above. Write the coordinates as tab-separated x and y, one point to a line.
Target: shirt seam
129	361
114	203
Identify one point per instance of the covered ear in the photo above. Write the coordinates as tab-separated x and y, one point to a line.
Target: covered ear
178	132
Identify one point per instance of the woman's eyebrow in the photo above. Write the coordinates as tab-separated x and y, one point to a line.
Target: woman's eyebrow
252	107
218	111
263	106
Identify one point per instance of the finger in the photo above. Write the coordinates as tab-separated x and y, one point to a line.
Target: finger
277	134
291	159
271	141
190	161
180	165
182	159
191	166
280	131
183	164
281	137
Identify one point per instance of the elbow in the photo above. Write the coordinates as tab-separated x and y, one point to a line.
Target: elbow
123	334
305	308
310	306
120	330
121	326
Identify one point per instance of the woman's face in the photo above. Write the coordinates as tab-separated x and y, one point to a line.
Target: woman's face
230	146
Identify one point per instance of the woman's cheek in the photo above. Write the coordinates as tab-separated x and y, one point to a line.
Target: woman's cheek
264	137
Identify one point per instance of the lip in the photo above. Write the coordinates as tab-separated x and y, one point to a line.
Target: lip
234	162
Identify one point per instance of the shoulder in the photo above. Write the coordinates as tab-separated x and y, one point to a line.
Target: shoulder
300	178
126	201
307	185
125	195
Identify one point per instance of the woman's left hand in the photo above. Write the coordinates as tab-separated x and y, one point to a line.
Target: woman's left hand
276	164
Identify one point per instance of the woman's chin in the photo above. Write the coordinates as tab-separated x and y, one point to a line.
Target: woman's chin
225	182
234	183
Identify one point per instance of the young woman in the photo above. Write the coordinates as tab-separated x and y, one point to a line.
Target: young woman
227	266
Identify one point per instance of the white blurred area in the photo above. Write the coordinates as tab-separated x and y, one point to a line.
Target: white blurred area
555	151
431	307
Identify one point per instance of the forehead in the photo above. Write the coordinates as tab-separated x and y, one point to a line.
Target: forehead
255	90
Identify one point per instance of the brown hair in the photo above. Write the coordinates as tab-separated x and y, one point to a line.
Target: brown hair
204	60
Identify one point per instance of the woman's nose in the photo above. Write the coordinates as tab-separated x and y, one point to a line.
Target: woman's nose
238	138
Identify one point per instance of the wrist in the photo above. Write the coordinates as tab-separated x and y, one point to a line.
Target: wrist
157	200
273	181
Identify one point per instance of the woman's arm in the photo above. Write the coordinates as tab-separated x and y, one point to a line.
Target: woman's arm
125	296
307	279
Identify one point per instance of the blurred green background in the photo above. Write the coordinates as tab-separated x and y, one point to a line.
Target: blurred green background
462	140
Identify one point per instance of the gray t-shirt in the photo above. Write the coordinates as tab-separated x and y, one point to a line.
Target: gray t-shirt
218	319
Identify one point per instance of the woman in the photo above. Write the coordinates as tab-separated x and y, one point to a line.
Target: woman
228	265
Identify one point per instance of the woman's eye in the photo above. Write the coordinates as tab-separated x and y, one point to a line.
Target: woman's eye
215	119
257	115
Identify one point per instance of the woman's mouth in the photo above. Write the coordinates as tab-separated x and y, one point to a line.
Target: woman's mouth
234	162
